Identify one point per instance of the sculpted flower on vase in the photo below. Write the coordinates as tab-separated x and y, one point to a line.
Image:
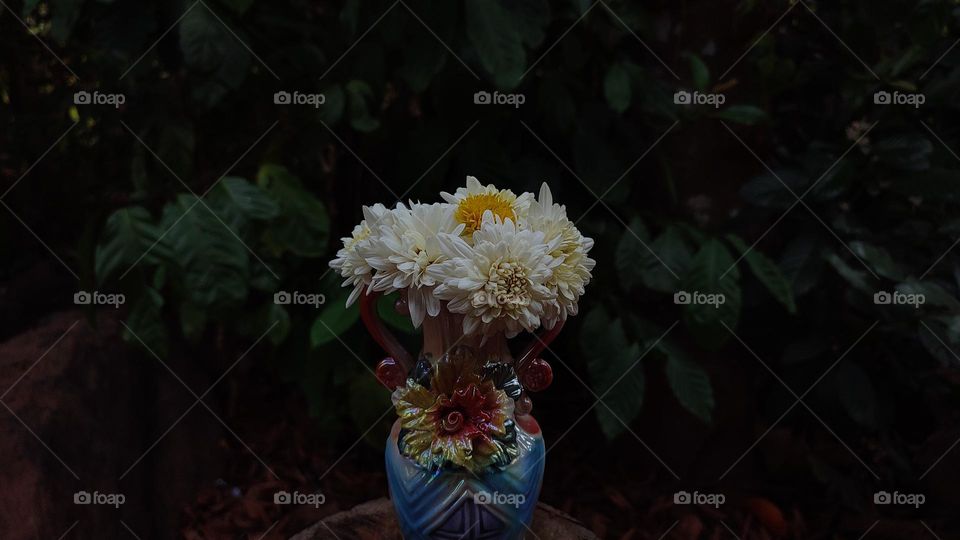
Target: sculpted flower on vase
460	420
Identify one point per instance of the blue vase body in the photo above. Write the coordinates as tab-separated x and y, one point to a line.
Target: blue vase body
455	504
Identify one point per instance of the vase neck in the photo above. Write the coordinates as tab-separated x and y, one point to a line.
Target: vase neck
445	331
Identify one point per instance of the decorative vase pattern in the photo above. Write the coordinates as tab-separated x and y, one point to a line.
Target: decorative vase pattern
454	504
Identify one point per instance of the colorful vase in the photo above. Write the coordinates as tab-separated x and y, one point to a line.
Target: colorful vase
432	498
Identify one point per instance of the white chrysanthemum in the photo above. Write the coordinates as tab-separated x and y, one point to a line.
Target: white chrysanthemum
499	283
567	245
475	200
349	262
403	250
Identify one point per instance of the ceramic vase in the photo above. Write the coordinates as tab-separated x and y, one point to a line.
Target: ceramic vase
451	502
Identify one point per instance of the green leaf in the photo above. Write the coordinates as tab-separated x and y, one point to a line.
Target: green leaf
767	272
879	259
203	40
176	148
332	110
742	114
630	251
615	373
532	18
700	72
706	319
277	314
213	54
28	7
128	235
193	320
238	6
335	319
146	325
856	278
423	58
303	226
215	262
235	194
669	256
359	94
64	15
933	293
616	88
691	385
350	15
497	41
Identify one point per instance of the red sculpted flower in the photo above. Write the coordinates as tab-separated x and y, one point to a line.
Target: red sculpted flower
461	420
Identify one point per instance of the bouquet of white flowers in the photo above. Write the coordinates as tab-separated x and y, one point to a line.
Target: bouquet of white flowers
505	262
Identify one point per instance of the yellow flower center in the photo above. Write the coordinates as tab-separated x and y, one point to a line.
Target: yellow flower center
471	208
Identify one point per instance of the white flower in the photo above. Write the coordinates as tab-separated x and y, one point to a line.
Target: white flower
499	283
349	261
475	200
569	247
404	249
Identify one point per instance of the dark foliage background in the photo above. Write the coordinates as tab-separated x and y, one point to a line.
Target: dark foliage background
799	198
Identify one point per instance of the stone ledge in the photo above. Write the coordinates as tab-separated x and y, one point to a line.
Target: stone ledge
375	520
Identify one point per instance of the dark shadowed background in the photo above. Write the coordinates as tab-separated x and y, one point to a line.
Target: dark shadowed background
168	168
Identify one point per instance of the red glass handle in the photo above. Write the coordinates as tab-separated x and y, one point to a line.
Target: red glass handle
539	344
534	372
380	333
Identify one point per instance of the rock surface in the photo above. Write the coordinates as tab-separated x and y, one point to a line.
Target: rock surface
375	520
78	408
